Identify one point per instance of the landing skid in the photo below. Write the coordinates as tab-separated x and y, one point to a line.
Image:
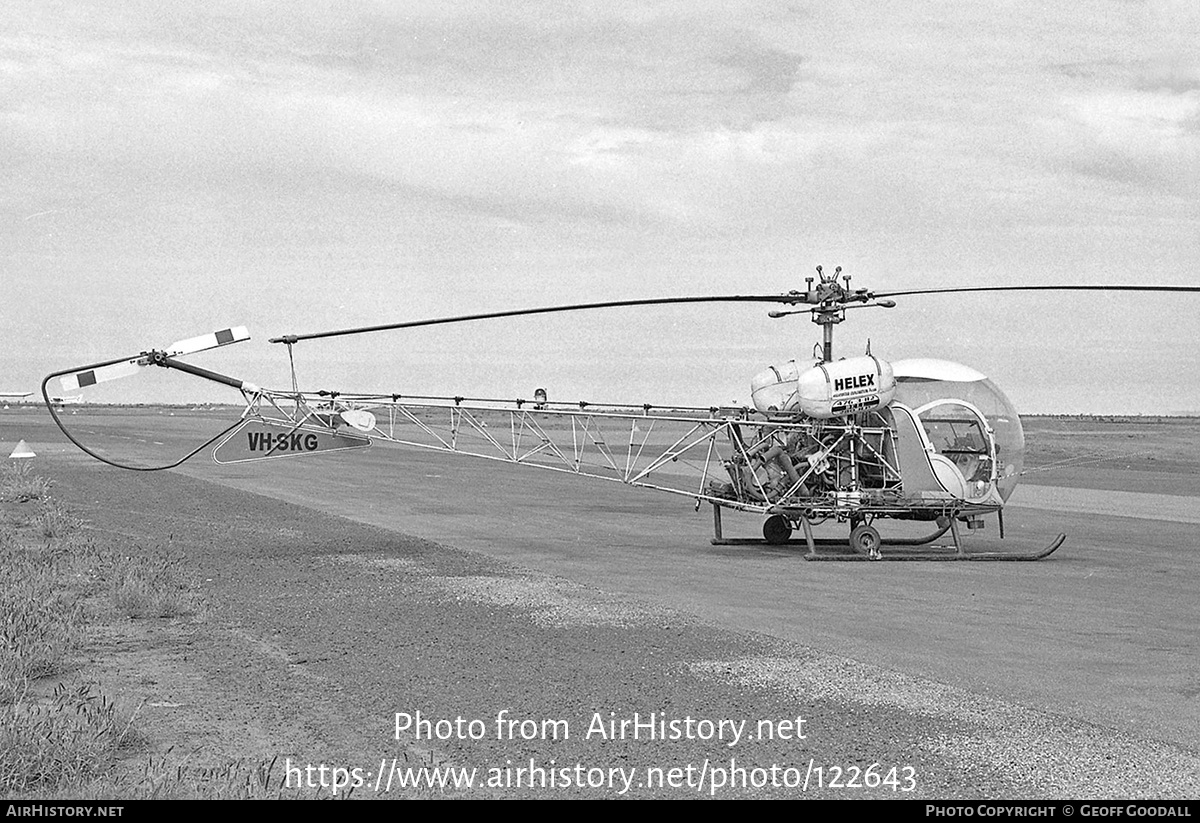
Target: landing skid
950	553
932	553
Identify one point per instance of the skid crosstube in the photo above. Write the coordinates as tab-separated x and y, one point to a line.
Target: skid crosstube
827	541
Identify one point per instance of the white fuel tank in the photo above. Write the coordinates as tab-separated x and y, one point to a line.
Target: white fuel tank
774	388
847	386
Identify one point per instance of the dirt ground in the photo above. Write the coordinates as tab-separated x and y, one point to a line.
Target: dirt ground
337	592
1155	455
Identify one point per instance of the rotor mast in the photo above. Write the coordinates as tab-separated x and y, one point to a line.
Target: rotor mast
831	307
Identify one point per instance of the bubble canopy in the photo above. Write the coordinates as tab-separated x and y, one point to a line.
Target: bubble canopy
922	381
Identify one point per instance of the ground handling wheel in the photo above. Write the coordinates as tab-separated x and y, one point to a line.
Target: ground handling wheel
865	540
777	529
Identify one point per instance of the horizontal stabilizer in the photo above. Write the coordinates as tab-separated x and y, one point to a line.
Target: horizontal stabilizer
208	341
90	377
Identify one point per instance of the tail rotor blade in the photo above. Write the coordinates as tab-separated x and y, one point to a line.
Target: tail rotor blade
223	337
100	374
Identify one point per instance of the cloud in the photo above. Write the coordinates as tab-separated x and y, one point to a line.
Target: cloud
1147	137
585	108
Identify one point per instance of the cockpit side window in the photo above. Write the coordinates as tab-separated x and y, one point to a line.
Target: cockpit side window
949	435
957	433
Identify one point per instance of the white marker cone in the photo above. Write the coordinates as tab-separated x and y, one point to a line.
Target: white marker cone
22	450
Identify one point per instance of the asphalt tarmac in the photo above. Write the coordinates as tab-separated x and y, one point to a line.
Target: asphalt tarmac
1103	631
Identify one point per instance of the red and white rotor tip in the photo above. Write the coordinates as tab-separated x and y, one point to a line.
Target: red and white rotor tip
208	341
90	377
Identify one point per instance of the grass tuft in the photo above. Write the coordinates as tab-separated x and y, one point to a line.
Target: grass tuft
54	520
41	622
64	740
18	483
150	585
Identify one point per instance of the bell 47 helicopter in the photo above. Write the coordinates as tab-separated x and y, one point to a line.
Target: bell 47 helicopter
852	441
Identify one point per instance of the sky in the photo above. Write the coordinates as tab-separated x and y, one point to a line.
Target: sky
173	168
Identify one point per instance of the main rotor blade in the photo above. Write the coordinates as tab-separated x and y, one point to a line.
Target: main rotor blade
790	299
1038	288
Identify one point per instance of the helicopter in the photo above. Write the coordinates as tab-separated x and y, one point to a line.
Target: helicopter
851	441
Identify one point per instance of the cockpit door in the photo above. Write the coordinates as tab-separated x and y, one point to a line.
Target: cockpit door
963	447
